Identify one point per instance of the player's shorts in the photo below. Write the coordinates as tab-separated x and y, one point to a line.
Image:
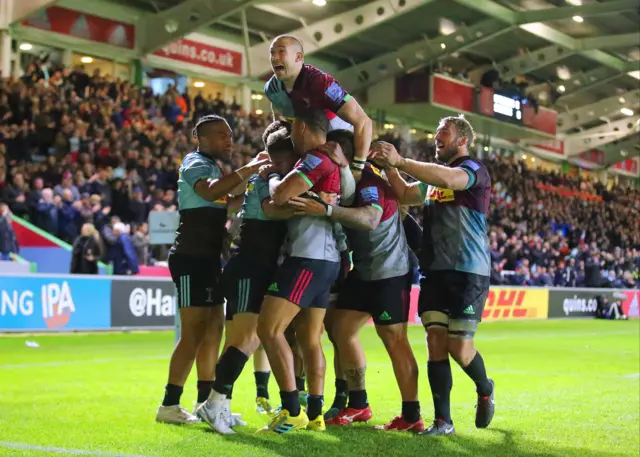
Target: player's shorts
197	280
387	300
245	285
336	287
305	282
453	299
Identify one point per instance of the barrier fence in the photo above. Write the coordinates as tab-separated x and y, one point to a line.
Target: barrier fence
40	302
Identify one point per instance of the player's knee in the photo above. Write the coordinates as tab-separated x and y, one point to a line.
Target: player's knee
394	337
461	350
266	331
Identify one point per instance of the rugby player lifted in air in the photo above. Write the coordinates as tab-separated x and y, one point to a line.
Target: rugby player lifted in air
454	260
296	87
378	286
303	281
194	261
247	276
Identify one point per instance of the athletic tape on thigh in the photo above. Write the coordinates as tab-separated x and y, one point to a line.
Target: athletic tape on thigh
463	328
434	318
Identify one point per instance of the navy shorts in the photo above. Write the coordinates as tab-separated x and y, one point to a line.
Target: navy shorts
305	282
245	285
197	280
386	300
459	295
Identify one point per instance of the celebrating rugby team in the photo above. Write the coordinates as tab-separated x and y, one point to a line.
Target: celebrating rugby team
326	243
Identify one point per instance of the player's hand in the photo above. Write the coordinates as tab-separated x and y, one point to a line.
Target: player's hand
333	150
256	164
307	207
262	155
265	170
385	154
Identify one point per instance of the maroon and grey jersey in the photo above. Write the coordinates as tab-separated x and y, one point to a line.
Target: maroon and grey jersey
381	253
312	237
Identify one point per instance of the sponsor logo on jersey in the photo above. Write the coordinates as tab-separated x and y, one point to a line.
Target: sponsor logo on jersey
311	162
369	194
439	195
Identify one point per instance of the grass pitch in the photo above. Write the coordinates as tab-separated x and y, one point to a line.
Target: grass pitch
563	389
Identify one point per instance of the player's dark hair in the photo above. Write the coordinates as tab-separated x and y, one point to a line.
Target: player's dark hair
274	127
345	139
279	142
208	119
315	119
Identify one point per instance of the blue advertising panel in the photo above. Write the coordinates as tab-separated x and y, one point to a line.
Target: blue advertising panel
51	302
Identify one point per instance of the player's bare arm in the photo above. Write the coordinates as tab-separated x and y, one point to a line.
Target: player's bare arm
283	190
273	211
408	194
428	173
214	189
353	113
361	218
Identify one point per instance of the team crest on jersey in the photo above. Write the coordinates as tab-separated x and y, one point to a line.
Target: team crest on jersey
439	195
369	194
250	187
311	162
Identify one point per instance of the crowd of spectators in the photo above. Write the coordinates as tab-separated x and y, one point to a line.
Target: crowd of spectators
86	158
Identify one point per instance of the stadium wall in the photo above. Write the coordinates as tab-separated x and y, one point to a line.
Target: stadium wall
50	254
49	302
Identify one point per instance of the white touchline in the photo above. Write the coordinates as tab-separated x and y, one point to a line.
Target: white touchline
62	450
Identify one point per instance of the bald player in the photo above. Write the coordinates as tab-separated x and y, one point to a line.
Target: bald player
296	87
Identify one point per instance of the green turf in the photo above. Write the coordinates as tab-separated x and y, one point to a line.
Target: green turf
563	389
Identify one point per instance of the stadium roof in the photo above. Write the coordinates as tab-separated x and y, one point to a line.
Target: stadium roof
584	55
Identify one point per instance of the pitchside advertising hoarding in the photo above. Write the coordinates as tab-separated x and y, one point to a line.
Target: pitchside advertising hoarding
78	302
148	302
571	303
56	302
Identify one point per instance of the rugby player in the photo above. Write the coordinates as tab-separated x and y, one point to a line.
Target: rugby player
454	260
377	287
247	276
295	87
303	281
194	261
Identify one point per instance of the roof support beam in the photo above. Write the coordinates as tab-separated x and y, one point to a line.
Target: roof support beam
602	135
626	40
541	30
174	23
418	54
531	61
609	108
329	31
565	12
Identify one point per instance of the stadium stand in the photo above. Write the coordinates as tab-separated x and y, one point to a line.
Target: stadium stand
79	150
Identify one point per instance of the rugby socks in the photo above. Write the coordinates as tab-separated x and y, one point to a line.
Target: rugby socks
172	394
441	382
204	389
342	391
314	406
228	370
291	402
411	411
262	383
358	399
478	374
300	383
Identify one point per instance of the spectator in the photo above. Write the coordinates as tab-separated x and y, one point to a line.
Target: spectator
86	252
122	253
8	241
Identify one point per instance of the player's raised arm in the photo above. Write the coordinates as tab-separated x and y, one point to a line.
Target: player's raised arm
407	193
212	189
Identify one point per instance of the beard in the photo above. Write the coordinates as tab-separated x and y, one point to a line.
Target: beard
446	154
